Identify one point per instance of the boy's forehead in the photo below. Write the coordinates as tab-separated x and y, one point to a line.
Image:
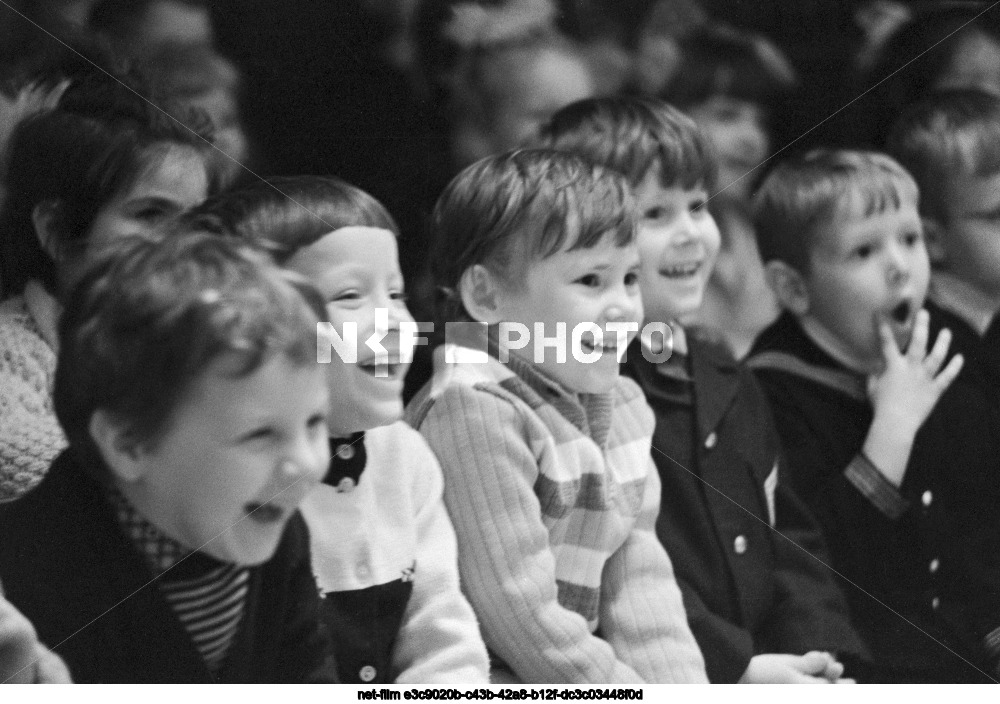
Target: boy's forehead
854	220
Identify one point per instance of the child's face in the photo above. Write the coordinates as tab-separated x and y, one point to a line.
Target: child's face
172	183
736	129
866	269
237	457
972	233
974	64
598	285
357	271
678	242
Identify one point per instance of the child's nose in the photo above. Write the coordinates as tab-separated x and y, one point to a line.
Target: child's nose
899	265
307	461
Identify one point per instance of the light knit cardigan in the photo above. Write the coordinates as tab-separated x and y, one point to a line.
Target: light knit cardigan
30	436
554	500
395	524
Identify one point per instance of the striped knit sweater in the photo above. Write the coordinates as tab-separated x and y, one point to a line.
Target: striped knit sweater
554	499
30	436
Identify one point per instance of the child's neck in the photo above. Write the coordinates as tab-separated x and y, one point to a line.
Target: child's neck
827	342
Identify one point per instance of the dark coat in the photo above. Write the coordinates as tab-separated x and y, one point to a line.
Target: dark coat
66	564
927	572
747	589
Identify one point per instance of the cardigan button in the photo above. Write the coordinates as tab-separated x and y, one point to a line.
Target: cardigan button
711	440
740	544
927	498
367	673
345	452
346	485
934	566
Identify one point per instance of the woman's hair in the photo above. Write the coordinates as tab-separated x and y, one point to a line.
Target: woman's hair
285	214
99	139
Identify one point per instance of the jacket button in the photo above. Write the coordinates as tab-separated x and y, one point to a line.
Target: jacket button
935	564
367	673
935	603
346	485
345	452
740	545
711	440
927	498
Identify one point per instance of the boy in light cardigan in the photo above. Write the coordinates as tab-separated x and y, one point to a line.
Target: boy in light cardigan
548	476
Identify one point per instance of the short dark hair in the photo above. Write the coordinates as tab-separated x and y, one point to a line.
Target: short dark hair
521	206
146	321
804	196
632	136
100	137
288	213
717	60
947	133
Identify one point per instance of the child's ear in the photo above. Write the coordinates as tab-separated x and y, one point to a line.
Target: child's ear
481	294
934	232
117	444
47	217
789	286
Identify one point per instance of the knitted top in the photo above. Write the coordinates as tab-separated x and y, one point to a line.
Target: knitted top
554	499
30	436
384	552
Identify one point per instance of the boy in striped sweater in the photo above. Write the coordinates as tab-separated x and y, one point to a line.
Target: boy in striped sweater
165	544
545	449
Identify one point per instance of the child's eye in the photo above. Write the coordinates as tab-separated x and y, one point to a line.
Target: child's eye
399	296
698	207
911	239
589	280
149	214
317	422
632	278
349	295
864	251
260	434
655	213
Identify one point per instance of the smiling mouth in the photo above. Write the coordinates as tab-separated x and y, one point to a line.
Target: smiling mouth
266	513
681	271
381	369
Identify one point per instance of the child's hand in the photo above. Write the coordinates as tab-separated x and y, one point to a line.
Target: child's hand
905	393
779	668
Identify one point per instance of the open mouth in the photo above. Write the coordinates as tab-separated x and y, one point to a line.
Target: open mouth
681	271
901	312
265	513
381	368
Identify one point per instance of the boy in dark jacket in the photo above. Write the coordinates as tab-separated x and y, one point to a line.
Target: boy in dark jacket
892	445
761	607
165	545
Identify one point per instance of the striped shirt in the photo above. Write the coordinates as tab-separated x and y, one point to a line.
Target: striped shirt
554	498
206	595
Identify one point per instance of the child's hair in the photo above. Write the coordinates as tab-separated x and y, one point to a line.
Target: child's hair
43	60
717	60
948	133
92	146
510	209
930	42
285	214
632	136
146	321
806	195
